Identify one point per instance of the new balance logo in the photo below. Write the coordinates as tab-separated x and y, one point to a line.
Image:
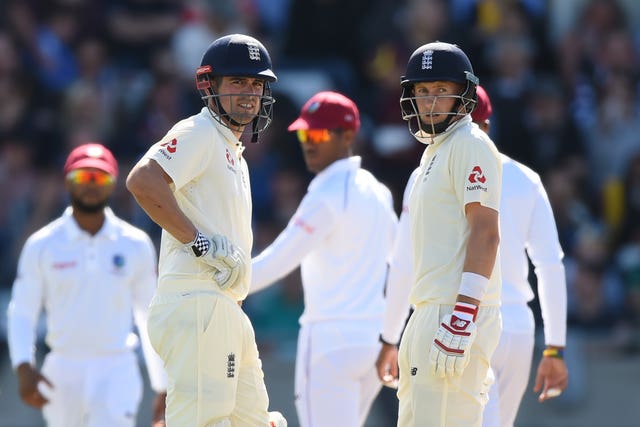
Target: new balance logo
459	323
414	371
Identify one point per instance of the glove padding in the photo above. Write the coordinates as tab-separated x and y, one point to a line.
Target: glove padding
451	347
228	261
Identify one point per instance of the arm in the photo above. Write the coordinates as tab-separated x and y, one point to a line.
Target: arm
150	186
399	283
311	222
482	249
23	312
546	255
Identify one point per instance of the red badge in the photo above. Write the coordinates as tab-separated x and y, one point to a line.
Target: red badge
171	146
477	175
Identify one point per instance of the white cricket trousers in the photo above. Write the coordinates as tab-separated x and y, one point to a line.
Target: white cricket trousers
511	364
428	401
335	386
93	391
208	346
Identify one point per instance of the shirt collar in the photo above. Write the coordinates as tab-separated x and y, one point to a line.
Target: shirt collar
108	229
229	137
451	130
343	165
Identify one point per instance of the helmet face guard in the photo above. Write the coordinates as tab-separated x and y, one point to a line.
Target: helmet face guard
237	55
436	62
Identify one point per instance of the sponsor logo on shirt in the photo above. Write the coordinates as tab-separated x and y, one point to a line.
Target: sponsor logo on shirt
169	148
477	178
299	222
62	265
414	371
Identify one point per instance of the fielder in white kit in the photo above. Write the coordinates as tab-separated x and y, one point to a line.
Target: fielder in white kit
526	224
341	236
90	271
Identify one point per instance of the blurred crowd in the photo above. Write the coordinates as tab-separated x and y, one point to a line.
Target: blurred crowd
563	76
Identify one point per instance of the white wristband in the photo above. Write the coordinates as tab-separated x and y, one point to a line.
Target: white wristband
473	285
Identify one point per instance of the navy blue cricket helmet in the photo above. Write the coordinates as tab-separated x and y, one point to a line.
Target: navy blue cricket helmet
237	55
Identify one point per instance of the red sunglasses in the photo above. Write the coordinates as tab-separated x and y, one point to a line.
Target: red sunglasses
80	176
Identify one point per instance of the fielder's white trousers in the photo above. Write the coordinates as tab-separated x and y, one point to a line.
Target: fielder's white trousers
335	386
428	401
91	392
511	364
209	351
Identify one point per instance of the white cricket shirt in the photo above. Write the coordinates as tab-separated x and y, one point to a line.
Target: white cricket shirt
527	223
461	166
211	186
91	288
341	235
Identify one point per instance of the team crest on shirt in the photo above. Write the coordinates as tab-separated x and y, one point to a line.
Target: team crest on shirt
168	148
477	180
118	262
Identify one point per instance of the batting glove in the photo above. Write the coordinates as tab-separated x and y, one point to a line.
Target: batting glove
226	259
451	347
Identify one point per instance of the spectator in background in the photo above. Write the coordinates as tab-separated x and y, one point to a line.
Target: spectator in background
93	274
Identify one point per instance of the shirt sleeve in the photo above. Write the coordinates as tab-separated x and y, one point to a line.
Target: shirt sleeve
543	247
182	155
25	306
312	221
477	173
145	286
400	277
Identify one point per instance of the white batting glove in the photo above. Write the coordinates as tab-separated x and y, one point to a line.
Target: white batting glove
451	347
226	259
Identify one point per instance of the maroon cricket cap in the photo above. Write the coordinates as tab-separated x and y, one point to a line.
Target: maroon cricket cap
328	110
483	110
91	156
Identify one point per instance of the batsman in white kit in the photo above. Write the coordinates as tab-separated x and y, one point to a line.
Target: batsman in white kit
453	210
527	226
194	183
341	236
93	274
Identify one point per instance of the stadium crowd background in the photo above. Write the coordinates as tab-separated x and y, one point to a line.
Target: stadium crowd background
563	76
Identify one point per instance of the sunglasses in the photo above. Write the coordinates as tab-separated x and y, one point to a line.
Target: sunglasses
314	136
80	176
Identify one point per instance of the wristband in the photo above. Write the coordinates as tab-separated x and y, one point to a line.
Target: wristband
383	341
473	285
558	353
199	246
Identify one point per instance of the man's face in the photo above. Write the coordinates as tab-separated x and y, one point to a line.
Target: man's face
89	189
240	97
435	100
321	147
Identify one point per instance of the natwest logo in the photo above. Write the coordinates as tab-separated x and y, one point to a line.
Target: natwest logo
171	146
477	175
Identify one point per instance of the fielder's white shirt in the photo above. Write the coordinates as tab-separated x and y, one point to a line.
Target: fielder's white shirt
92	288
211	185
460	166
527	224
341	235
